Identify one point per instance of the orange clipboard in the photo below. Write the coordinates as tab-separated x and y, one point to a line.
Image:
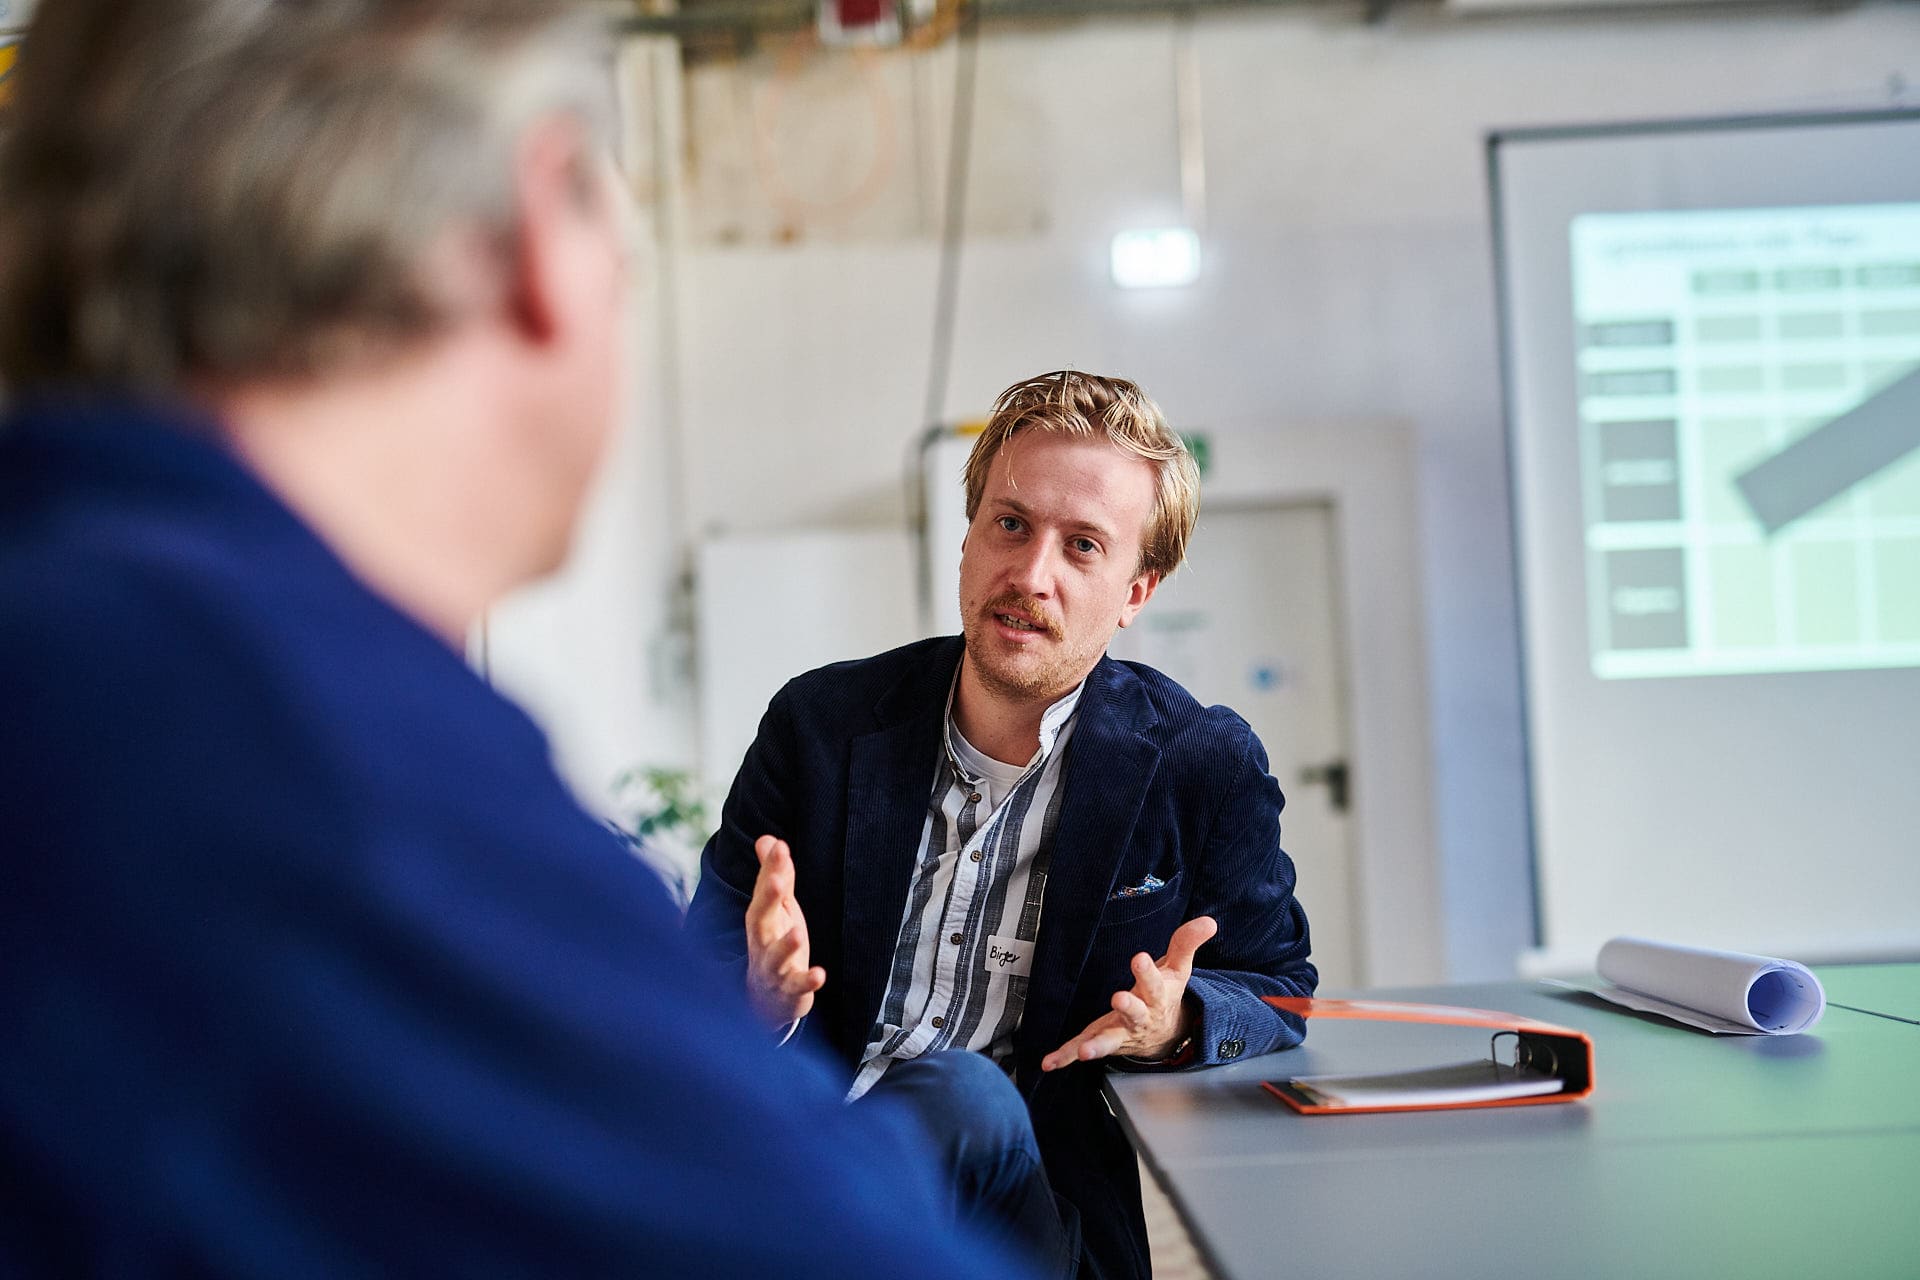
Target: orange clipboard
1561	1052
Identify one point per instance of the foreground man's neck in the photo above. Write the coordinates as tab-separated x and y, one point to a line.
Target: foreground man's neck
396	475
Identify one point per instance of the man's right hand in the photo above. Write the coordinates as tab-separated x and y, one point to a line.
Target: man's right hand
780	979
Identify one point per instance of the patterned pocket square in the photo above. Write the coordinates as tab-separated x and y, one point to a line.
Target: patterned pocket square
1152	884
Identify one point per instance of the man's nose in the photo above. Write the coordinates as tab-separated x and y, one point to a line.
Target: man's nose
1032	571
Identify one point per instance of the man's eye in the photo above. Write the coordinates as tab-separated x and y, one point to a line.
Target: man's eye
1010	524
1085	546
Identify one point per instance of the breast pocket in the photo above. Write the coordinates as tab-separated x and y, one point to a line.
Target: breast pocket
1137	902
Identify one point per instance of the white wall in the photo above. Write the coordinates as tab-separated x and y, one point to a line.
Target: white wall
1348	276
15	15
602	654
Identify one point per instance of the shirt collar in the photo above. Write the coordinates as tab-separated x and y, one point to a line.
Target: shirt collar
1052	720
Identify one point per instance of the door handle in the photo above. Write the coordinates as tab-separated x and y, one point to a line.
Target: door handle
1334	775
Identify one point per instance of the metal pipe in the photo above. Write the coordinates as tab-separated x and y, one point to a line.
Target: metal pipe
790	15
1192	135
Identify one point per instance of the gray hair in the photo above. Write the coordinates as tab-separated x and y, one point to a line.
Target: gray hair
237	189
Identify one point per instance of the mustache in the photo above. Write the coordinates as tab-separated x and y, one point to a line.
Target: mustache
1026	608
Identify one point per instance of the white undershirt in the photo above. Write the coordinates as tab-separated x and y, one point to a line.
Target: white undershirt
997	776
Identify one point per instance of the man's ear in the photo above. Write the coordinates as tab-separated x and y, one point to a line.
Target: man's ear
1138	594
551	207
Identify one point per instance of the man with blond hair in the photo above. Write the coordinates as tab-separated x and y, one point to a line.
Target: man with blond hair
309	965
1007	842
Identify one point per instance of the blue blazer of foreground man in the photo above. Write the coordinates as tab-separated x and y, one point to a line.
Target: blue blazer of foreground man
309	966
1009	843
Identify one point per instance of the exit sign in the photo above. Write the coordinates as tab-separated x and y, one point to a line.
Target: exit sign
1196	442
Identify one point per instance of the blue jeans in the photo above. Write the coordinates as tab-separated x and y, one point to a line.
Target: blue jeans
976	1121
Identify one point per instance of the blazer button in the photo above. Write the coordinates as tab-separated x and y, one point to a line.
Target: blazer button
1231	1049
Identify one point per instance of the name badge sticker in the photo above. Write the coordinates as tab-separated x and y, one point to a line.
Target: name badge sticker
1012	956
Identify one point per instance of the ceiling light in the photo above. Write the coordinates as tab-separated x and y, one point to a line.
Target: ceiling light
1156	258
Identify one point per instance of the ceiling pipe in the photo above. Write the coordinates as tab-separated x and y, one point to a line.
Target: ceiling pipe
753	17
791	15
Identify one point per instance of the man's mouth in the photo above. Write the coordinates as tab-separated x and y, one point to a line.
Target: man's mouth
1020	615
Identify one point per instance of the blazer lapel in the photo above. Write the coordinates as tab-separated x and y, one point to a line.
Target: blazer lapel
1110	765
890	777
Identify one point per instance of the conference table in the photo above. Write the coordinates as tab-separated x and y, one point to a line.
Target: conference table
1695	1155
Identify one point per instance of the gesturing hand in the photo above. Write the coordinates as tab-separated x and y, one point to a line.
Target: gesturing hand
780	981
1148	1021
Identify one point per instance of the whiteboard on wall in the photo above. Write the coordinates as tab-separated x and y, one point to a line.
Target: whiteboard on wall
1712	342
771	606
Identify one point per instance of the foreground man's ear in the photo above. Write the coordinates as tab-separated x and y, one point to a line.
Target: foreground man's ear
558	205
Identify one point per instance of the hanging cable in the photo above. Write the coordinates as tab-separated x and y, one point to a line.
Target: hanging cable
953	227
946	298
1187	119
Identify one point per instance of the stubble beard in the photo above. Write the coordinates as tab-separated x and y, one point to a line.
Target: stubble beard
1049	678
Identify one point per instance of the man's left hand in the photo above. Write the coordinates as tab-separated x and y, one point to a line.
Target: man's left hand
1150	1020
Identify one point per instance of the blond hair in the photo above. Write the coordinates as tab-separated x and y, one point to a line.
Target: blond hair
234	189
1092	407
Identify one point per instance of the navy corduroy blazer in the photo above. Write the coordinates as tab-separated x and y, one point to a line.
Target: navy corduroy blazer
1156	785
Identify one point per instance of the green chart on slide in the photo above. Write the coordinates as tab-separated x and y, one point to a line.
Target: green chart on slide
1749	416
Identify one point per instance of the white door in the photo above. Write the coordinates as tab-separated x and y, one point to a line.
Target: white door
1250	622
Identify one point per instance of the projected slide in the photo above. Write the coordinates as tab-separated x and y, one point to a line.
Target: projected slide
1749	390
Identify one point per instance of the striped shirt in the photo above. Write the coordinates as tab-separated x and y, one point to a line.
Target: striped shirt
960	967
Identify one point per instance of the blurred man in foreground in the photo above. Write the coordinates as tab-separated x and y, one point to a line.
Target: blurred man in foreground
309	966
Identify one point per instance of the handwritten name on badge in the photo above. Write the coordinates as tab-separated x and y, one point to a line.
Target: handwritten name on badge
1010	956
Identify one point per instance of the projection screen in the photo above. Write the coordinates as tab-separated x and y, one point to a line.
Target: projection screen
1711	340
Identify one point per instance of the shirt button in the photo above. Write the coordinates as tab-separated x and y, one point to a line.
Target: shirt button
939	1023
954	939
974	798
974	856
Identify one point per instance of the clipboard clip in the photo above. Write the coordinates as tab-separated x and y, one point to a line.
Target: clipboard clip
1530	1053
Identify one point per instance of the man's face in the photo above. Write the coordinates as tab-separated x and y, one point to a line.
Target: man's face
1050	567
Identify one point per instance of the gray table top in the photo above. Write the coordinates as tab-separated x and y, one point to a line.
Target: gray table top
1695	1155
1891	990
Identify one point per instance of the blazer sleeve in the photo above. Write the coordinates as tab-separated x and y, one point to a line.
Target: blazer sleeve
1245	881
756	805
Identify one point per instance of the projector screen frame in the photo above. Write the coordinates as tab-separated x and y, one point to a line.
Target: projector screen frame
1550	953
